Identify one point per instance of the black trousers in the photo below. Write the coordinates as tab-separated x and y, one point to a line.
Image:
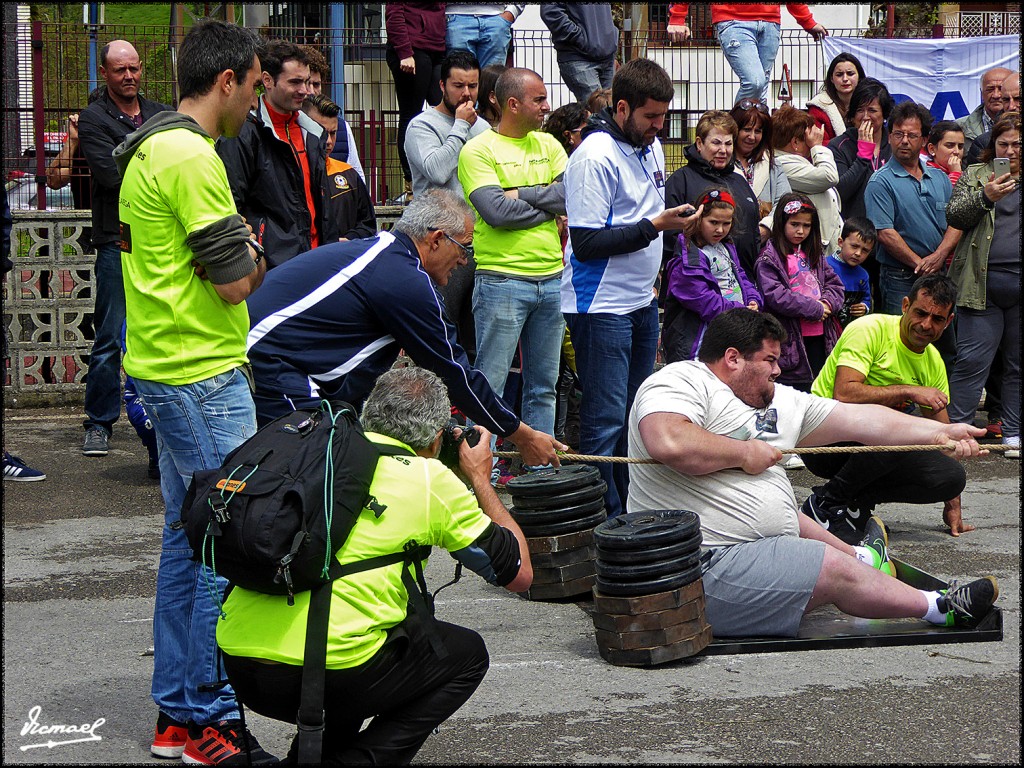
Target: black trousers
412	90
862	480
405	688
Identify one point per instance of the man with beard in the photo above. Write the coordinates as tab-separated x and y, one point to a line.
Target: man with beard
435	137
615	199
718	425
433	142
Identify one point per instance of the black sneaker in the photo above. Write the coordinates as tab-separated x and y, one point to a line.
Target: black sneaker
153	471
224	743
876	538
835	520
967	604
95	443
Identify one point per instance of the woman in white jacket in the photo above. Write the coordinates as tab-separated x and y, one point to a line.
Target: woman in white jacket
810	168
829	106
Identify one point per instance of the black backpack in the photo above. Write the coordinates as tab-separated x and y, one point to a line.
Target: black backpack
272	516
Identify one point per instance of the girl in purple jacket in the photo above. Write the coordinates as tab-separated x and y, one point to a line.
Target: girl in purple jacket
800	289
705	279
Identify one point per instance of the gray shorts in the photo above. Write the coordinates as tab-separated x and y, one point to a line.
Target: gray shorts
761	587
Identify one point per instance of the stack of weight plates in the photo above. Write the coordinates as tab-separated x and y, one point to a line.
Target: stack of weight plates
648	596
558	509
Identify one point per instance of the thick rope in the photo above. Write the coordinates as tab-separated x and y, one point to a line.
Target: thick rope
797	451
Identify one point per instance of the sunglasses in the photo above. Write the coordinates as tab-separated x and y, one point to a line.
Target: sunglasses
467	250
746	104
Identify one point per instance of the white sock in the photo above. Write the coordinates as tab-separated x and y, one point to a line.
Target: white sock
933	614
867	556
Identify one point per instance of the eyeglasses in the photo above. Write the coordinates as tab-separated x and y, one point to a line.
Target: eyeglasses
900	136
467	250
746	104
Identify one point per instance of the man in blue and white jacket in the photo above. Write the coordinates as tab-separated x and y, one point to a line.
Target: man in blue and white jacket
328	322
615	202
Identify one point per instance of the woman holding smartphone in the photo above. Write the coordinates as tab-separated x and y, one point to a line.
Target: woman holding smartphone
986	270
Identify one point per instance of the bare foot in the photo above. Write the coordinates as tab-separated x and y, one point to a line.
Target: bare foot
954	521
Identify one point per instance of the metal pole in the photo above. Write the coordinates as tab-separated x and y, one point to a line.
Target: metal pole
338	39
94	20
890	19
38	115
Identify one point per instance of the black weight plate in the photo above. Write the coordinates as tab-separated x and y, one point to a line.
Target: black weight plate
641	530
547	482
569	526
566	499
650	586
541	516
641	571
667	552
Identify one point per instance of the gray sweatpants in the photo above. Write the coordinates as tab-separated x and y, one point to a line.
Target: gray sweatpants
980	334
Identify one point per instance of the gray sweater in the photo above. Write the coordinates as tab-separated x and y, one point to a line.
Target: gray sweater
433	141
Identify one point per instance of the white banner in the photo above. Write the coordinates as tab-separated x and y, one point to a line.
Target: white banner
944	75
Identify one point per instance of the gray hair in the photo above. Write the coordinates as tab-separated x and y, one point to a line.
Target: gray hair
409	404
437	209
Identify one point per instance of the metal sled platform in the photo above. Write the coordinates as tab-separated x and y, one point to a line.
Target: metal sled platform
827	628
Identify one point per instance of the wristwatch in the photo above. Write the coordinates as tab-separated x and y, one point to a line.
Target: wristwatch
260	253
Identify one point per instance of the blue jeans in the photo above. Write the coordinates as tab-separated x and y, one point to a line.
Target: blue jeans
103	381
750	48
614	354
893	284
508	311
585	77
196	425
486	37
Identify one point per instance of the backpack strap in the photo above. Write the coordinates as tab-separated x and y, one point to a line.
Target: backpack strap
310	718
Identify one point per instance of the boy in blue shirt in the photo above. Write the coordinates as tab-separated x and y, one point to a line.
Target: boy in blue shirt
856	243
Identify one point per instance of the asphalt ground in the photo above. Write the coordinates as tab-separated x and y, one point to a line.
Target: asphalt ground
80	558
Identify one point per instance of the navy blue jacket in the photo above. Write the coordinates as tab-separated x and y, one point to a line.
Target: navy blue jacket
328	322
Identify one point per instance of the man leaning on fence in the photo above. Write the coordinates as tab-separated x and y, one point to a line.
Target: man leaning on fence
188	270
103	125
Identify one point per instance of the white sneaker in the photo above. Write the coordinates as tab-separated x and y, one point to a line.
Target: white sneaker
1013	452
793	461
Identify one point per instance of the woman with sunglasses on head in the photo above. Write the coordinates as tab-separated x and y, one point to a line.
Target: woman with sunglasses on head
830	104
755	159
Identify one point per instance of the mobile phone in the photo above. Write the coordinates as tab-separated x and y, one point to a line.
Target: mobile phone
1001	165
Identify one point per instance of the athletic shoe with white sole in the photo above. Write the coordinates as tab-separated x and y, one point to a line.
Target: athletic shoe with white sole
169	739
17	470
967	604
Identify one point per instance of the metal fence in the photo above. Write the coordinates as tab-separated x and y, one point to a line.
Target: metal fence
52	81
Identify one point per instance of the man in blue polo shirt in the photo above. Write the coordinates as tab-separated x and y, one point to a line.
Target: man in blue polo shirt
906	201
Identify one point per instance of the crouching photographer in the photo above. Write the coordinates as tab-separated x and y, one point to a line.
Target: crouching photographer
407	672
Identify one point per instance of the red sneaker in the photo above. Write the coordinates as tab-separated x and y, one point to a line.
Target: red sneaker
170	737
995	428
224	743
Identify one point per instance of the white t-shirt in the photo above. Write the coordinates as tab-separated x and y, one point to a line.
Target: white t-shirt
608	184
733	506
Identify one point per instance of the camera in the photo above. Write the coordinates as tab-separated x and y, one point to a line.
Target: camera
449	454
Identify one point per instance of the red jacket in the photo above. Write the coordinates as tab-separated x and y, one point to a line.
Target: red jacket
415	25
745	12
